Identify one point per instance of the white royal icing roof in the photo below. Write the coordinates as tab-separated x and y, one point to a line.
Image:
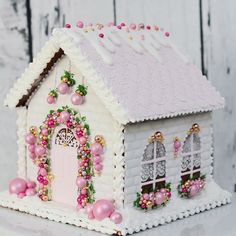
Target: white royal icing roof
138	74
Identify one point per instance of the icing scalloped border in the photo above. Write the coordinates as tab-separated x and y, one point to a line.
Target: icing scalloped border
138	221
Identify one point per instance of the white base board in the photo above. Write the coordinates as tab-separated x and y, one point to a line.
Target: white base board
134	220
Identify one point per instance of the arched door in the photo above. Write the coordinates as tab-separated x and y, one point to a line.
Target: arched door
64	165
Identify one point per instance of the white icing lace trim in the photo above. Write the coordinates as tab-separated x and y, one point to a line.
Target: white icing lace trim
133	220
21	131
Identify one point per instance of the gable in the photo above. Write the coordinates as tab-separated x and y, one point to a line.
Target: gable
136	82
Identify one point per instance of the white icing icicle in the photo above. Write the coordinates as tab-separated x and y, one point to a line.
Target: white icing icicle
93	39
113	37
134	42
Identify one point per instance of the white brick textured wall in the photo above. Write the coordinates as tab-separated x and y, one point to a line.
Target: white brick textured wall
136	139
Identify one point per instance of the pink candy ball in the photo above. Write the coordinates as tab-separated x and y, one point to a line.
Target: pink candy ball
21	195
30	184
44	131
110	24
132	26
17	186
32	155
31	148
167	34
39	150
96	149
64	116
30	192
30	138
42	172
50	100
177	144
81	182
77	99
97	159
89	208
98	167
68	26
159	198
116	217
163	190
82	140
146	196
80	24
194	190
102	209
63	88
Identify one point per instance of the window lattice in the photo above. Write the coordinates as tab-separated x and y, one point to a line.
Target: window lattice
191	156
66	138
153	167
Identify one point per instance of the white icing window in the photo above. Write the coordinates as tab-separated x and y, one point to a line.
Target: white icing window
191	157
66	138
153	167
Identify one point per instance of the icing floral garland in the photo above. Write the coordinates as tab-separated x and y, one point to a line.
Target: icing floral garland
153	200
40	153
191	187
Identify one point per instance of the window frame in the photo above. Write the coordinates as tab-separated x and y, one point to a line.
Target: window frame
192	171
153	161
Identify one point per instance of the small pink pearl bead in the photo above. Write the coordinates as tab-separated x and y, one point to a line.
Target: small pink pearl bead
156	27
167	34
132	26
118	27
141	26
122	24
101	35
110	24
148	27
80	24
67	26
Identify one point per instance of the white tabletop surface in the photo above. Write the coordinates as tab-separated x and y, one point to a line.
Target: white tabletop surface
218	222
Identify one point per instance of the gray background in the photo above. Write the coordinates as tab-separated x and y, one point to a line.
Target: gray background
203	29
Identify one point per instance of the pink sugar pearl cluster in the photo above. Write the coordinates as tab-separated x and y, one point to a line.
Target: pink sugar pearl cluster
84	163
34	150
102	209
22	187
97	151
132	26
154	199
191	188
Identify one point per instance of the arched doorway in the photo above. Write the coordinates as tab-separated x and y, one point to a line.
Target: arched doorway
64	166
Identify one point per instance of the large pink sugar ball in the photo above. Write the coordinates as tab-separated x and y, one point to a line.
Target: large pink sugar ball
17	186
63	88
64	116
77	99
116	217
40	150
30	138
102	209
96	149
81	182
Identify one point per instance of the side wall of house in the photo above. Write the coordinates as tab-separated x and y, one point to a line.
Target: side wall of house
136	140
99	119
